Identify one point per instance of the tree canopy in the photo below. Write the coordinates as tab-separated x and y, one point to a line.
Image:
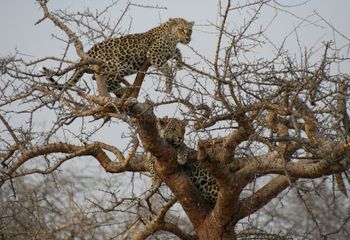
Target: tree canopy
264	127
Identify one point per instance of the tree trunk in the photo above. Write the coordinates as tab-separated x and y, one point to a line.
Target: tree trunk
211	230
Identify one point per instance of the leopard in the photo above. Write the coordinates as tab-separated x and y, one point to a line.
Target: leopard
124	56
172	130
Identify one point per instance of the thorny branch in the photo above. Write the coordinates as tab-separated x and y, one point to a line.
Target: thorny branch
267	123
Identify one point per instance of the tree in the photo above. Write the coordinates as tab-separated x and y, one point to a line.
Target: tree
259	126
322	215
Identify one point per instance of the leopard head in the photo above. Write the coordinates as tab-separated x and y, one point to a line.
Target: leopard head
181	28
172	130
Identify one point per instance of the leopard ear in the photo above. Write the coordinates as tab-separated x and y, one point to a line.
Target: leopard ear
191	23
172	21
162	121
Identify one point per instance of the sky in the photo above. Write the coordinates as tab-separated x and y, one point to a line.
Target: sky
19	32
17	19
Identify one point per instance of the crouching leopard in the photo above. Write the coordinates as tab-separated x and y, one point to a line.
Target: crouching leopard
125	55
173	131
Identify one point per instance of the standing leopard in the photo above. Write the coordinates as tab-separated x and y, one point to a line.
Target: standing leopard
125	55
173	131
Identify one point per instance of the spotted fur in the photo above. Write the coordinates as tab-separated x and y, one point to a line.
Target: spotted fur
173	131
124	56
205	183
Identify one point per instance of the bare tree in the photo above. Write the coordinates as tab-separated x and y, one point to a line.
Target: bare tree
259	126
49	209
323	214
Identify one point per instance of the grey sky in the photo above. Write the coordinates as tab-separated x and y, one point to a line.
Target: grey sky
18	31
17	20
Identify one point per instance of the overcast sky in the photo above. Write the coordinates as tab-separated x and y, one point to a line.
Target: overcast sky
18	31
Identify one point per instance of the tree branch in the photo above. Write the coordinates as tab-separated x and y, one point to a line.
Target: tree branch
263	196
71	35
